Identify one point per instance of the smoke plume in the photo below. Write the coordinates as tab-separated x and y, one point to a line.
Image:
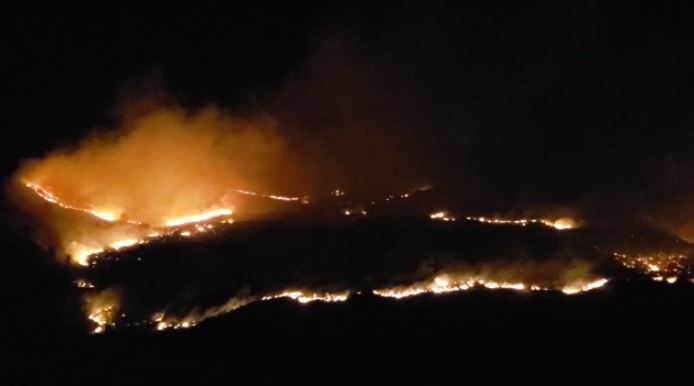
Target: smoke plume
162	167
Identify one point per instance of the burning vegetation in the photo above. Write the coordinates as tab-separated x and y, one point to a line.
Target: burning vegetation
160	172
168	178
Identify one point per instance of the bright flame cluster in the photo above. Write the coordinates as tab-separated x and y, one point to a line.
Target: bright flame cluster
82	283
354	212
442	216
660	266
200	217
102	308
307	297
277	197
559	224
45	194
163	322
446	283
81	252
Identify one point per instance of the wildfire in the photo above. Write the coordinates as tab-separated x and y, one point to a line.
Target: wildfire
446	283
161	168
50	197
558	224
195	218
303	297
163	322
354	212
81	283
82	251
102	309
272	196
659	266
442	216
583	287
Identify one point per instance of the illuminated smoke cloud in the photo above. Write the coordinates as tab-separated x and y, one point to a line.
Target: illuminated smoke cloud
163	168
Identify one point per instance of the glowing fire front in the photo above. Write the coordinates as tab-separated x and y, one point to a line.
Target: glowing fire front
160	169
660	266
446	283
307	297
562	223
50	197
201	217
81	247
442	216
441	284
102	308
162	321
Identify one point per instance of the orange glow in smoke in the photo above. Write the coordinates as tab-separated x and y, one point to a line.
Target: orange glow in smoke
161	171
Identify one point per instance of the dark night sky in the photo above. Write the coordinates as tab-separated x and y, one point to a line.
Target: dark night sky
584	105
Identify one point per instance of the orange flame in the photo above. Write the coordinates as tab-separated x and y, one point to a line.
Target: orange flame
161	171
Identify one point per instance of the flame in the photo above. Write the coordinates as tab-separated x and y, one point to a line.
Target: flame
659	266
307	297
130	233
573	279
102	308
120	244
442	216
52	198
562	223
442	284
80	253
164	168
81	283
201	217
583	287
271	196
354	212
163	322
